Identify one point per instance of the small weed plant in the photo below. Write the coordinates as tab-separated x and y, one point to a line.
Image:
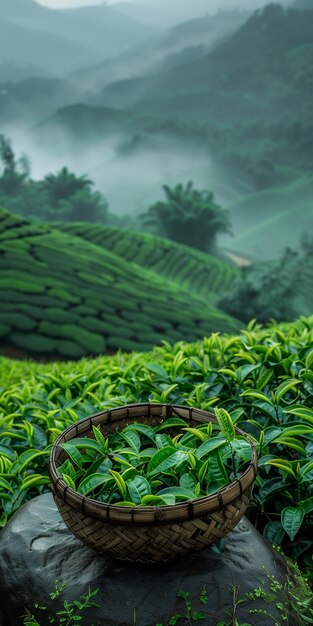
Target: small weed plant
69	615
291	600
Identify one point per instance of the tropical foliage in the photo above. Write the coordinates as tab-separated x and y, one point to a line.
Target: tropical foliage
58	196
188	216
262	377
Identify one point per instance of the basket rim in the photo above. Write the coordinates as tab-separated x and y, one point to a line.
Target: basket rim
147	515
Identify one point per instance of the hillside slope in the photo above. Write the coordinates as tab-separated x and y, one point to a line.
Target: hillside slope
100	30
21	45
67	297
191	269
241	67
268	221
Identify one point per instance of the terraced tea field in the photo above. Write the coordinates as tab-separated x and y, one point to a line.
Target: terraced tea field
191	269
64	296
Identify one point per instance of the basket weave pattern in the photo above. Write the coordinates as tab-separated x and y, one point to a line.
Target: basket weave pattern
148	533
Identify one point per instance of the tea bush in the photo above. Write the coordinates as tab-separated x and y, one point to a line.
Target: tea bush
64	296
262	376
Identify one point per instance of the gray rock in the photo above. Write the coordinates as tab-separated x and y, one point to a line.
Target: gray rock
36	548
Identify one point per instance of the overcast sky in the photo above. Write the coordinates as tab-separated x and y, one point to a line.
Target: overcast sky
58	4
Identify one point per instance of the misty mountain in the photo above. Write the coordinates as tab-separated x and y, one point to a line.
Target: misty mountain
16	72
302	4
183	43
23	103
271	54
94	123
165	13
50	53
64	40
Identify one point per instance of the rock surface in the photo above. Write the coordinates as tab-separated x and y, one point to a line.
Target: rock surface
36	548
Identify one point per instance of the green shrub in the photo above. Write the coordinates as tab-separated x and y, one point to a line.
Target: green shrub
59	316
62	294
33	342
18	321
262	377
66	347
93	343
20	285
4	330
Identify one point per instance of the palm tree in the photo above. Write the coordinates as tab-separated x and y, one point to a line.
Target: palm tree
14	172
189	216
63	185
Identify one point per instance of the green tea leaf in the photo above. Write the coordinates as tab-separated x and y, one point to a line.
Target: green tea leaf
91	483
173	460
242	449
120	483
271	488
171	422
143	429
157	500
34	480
255	394
138	487
187	481
25	458
100	439
283	465
291	442
160	456
284	388
132	438
69	481
73	453
306	469
208	446
225	423
5	485
196	432
157	369
163	440
179	493
84	443
216	467
300	411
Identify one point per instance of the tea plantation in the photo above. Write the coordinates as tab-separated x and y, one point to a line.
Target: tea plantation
262	376
64	296
191	269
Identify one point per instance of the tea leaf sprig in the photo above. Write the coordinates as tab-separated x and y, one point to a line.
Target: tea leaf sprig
169	463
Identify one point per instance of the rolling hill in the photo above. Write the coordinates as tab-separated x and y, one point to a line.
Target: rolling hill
267	221
94	123
21	45
63	296
191	269
32	99
236	71
181	43
78	37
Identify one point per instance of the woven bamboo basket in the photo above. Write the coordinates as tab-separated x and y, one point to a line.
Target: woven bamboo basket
147	533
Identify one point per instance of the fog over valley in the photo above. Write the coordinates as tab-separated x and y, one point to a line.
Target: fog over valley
135	103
